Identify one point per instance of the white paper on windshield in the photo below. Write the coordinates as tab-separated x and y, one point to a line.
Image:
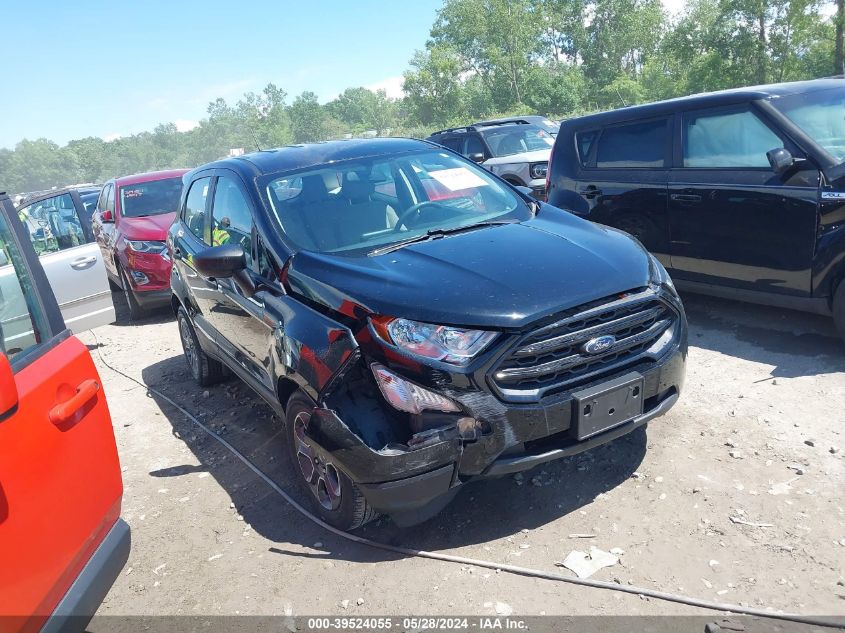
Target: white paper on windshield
457	178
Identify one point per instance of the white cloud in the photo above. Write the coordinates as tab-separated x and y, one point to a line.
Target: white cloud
392	87
108	138
185	125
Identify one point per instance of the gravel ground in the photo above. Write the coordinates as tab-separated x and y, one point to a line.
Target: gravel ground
734	496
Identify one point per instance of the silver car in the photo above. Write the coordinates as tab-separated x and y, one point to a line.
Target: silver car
517	151
59	226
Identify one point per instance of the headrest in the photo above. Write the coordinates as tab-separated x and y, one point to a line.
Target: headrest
357	190
313	189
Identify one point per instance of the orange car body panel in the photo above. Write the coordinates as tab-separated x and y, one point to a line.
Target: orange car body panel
60	483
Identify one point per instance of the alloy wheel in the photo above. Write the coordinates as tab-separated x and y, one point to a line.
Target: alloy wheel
188	346
322	477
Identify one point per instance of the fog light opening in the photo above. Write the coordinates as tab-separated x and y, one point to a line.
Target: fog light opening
139	278
406	396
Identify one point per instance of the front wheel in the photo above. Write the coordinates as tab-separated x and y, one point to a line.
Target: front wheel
839	308
136	312
205	370
335	497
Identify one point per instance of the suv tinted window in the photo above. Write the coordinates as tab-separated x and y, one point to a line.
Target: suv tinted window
584	142
231	217
452	142
53	224
735	139
194	214
22	323
632	145
473	145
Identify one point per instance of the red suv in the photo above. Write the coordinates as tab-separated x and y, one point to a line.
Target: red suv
62	541
130	224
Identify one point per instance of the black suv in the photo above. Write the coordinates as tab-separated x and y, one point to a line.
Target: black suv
739	193
416	321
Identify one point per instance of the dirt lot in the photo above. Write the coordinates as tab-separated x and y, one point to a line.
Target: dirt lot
758	435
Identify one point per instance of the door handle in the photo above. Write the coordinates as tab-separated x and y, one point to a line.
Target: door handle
83	262
591	192
65	411
685	197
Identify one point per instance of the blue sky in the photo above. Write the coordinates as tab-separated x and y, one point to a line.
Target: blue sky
96	68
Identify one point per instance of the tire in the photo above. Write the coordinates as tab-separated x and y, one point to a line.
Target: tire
205	370
337	500
839	309
136	312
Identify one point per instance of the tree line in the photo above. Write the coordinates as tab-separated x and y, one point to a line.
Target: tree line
485	58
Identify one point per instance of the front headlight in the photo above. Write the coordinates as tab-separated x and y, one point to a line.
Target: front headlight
538	170
147	246
659	276
453	345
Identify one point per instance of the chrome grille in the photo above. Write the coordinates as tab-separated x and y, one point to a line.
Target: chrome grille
554	356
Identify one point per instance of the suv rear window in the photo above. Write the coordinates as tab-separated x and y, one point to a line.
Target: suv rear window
640	144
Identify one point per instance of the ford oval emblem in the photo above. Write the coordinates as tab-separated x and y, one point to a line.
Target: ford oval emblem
599	344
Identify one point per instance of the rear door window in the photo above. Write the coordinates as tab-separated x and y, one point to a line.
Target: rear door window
194	212
727	139
53	224
452	142
641	144
473	145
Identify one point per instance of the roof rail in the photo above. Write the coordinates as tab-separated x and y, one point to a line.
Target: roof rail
463	128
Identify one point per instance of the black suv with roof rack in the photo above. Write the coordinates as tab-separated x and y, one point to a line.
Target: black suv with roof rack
739	193
515	149
364	290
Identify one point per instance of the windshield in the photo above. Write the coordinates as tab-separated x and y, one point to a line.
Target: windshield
516	139
150	198
373	202
821	115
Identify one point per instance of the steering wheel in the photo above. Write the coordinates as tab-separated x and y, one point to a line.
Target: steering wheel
411	210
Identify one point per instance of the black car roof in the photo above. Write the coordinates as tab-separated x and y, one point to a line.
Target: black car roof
707	100
293	157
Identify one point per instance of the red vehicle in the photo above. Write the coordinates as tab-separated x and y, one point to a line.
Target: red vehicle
130	224
62	541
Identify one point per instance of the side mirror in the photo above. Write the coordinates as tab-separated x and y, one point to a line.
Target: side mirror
780	159
107	216
8	389
224	262
476	157
528	191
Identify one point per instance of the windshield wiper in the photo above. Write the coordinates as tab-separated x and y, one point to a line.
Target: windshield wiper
434	234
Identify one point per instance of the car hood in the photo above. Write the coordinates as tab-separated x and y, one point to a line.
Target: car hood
504	276
524	157
150	227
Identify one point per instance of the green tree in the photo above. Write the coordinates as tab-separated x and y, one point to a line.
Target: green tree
309	120
433	87
498	40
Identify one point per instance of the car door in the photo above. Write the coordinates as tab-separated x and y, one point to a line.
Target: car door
60	482
238	319
71	259
103	227
192	235
734	221
623	179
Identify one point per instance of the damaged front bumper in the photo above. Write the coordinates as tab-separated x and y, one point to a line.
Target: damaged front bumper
413	484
